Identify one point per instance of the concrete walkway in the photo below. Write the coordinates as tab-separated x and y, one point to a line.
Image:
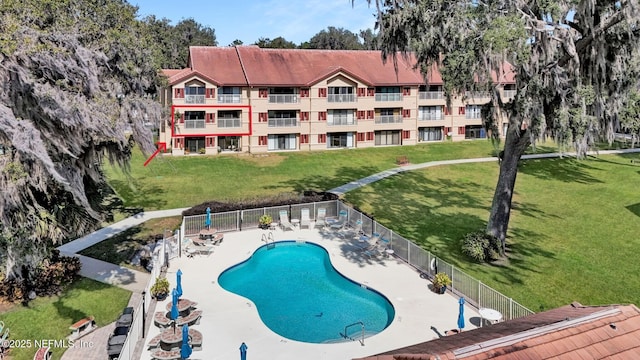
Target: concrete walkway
341	190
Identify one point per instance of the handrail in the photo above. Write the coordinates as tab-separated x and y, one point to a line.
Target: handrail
350	338
271	237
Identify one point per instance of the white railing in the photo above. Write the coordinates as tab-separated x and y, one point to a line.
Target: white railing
388	119
341	120
229	122
475	292
388	97
283	98
194	124
509	93
477	94
282	122
431	95
194	99
341	98
473	115
430	116
229	98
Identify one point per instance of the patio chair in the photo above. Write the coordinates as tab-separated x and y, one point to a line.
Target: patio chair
339	223
305	220
284	221
203	249
321	218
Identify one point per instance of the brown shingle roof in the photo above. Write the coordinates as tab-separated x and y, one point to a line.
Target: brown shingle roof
253	66
569	332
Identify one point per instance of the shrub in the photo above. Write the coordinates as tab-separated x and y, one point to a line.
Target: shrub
440	281
481	247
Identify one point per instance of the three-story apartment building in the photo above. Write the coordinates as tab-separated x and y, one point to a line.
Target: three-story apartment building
255	100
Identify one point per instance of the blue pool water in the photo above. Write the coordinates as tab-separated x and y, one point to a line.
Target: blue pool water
299	294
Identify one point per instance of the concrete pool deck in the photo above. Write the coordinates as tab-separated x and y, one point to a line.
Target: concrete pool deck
228	320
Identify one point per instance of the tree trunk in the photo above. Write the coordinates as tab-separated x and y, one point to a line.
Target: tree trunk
515	144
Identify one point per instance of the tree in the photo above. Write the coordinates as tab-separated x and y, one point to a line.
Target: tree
334	39
188	33
236	42
369	40
630	117
574	63
76	77
277	43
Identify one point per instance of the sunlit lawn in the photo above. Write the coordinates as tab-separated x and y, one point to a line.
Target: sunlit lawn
50	318
573	232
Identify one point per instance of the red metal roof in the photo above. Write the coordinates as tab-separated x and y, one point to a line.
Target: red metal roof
254	66
570	332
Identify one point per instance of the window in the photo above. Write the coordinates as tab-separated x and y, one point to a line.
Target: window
430	134
263	92
322	115
282	118
194	94
322	92
282	142
283	95
194	90
460	130
262	140
387	137
406	113
388	93
389	116
304	138
406	134
304	116
370	114
370	136
340	140
304	92
341	94
475	132
472	112
360	136
231	143
229	95
430	113
340	117
229	119
210	141
194	119
322	138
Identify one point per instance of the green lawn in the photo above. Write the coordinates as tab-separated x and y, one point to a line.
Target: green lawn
50	318
573	229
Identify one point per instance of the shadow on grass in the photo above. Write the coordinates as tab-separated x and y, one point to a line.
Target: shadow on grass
138	196
565	169
345	175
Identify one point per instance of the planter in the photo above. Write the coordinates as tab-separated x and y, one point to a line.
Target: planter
161	297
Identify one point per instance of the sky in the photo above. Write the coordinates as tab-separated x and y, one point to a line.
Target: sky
249	20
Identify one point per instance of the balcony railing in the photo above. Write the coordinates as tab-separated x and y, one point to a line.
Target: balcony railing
509	93
431	95
194	124
341	98
388	119
477	94
194	99
229	122
341	120
389	97
431	116
229	98
282	122
473	115
283	98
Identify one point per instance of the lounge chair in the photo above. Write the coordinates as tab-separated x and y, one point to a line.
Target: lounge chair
321	218
305	220
339	223
284	221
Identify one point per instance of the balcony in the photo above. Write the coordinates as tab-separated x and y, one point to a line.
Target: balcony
194	124
283	98
388	97
341	120
388	119
229	122
282	122
431	116
194	99
229	98
477	94
333	98
509	94
431	95
473	115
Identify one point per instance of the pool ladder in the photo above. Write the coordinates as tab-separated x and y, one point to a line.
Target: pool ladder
344	335
269	239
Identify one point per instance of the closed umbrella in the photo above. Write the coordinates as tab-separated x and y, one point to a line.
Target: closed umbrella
179	283
185	349
243	351
207	221
461	314
174	305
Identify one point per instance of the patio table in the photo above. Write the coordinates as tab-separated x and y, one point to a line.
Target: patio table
183	305
490	314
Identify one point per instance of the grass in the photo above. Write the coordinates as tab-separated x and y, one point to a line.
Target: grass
573	228
50	318
174	182
120	248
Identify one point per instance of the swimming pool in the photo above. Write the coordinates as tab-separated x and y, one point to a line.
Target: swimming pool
301	296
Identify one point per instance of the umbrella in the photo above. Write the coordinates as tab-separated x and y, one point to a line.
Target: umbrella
207	221
174	305
179	283
185	350
243	351
461	314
